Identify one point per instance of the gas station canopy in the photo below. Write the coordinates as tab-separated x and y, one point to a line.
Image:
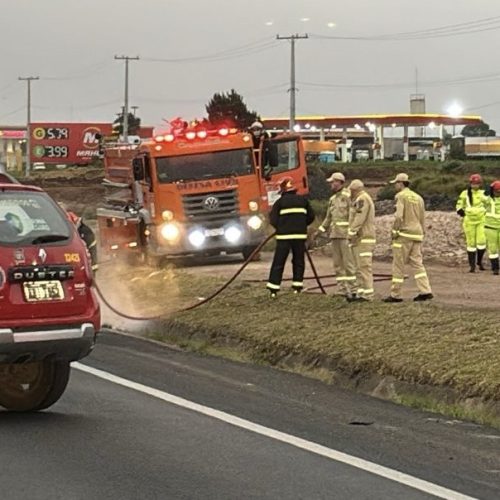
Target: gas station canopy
394	120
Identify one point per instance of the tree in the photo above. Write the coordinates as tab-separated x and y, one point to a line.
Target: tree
480	130
230	109
134	124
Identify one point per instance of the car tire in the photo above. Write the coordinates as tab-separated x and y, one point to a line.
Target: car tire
33	386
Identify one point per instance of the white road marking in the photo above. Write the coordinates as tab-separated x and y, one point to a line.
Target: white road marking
338	456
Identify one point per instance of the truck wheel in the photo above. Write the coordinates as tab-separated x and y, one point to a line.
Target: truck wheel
247	251
32	386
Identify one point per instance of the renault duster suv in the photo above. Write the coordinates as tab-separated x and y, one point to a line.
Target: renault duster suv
49	315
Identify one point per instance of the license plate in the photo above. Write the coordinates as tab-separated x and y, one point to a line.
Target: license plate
37	291
214	232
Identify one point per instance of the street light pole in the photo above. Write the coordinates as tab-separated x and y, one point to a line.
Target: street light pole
292	89
28	80
125	107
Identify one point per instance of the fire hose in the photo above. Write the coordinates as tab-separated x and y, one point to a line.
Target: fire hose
255	252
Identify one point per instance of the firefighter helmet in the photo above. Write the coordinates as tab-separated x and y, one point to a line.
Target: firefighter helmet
286	184
73	217
256	126
475	179
495	186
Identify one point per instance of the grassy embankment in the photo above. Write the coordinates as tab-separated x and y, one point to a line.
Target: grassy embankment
427	356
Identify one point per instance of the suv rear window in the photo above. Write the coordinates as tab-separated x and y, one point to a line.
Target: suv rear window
29	218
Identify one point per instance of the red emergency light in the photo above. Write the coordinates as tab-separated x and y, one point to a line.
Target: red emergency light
190	135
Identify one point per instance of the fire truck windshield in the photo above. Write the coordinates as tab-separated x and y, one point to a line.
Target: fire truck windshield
235	162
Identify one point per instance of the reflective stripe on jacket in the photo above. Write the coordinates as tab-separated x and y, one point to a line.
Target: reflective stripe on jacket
492	216
362	218
290	216
474	212
337	215
409	221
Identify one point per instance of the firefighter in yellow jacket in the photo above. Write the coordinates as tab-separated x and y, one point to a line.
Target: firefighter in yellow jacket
361	234
407	236
492	226
335	225
471	206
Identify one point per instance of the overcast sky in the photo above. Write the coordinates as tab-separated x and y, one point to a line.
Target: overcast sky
224	44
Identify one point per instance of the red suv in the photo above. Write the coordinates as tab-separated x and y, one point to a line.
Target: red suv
49	315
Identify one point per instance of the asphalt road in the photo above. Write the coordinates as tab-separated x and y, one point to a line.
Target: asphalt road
110	439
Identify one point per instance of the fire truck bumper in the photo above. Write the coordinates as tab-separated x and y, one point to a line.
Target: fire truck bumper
230	237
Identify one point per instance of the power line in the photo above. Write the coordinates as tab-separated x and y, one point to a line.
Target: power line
484	78
88	72
12	112
241	51
470	27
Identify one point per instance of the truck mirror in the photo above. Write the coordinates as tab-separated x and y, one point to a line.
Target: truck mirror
138	169
272	156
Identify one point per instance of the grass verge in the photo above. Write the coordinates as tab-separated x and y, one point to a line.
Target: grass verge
422	355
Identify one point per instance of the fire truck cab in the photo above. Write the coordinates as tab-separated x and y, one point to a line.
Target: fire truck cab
194	191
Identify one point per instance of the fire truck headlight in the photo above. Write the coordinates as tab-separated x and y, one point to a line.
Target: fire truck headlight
253	206
167	215
170	231
255	222
232	234
196	238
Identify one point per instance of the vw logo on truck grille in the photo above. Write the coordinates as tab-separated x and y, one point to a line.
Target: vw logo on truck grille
211	203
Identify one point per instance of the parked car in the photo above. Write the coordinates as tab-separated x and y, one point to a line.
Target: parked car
49	313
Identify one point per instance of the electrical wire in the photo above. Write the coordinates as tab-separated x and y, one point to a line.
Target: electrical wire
242	51
10	113
451	30
484	78
88	72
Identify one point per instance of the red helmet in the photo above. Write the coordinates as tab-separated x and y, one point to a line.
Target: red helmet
286	184
73	217
495	186
475	179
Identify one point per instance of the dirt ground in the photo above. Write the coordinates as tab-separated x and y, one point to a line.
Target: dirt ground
452	286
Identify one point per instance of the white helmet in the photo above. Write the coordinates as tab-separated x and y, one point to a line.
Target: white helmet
256	125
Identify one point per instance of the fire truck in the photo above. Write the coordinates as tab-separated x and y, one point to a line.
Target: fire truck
194	191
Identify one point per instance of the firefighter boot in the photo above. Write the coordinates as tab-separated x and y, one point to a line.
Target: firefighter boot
472	261
480	255
495	265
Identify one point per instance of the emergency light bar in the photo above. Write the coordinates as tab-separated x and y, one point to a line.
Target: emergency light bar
191	135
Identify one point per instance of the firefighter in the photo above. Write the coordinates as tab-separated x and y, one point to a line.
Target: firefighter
290	216
492	225
361	235
259	133
86	234
336	225
471	206
407	237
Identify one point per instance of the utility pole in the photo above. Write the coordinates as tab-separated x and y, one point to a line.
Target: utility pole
292	89
125	107
28	80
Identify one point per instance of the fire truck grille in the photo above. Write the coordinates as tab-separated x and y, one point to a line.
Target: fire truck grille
210	206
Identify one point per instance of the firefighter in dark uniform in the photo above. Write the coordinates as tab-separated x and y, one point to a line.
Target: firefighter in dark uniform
290	216
88	236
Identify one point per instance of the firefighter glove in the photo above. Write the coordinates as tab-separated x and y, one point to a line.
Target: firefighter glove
461	212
